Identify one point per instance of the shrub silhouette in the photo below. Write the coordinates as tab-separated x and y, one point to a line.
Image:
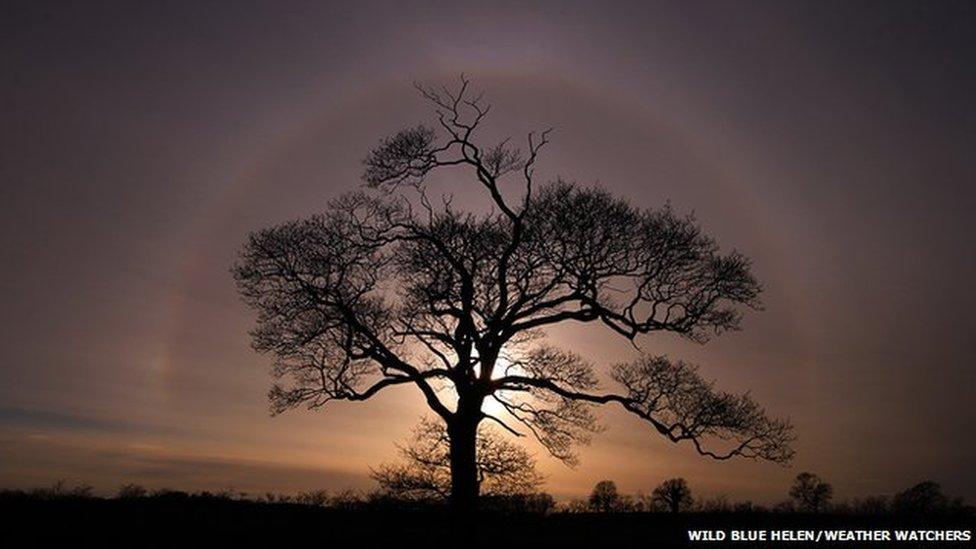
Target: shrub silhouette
131	491
504	468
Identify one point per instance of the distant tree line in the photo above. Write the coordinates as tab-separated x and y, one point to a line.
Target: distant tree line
809	494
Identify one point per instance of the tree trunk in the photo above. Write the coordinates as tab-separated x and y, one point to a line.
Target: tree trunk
463	432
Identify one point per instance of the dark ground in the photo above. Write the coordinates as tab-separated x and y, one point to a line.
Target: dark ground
202	522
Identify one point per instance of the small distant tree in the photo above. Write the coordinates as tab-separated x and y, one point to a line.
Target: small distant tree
504	468
673	495
605	498
811	493
923	498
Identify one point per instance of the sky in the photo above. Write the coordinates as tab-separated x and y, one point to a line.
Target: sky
831	142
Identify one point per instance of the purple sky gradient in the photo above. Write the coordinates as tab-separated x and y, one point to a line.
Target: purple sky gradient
833	143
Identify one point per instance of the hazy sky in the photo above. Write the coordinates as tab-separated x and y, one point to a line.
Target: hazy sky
832	142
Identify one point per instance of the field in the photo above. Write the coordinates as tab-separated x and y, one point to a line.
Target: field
194	521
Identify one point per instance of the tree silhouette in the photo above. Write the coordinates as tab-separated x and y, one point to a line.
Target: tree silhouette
673	494
924	498
605	498
811	493
504	468
394	287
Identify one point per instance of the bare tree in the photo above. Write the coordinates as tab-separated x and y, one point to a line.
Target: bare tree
605	498
811	493
504	468
392	286
673	494
924	498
